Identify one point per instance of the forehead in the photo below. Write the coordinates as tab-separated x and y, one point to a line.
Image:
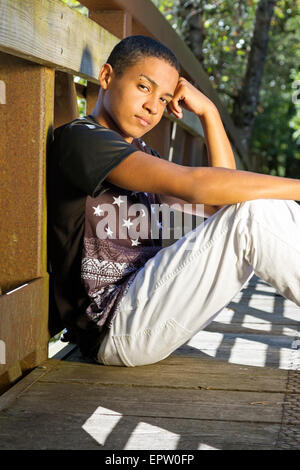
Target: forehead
159	71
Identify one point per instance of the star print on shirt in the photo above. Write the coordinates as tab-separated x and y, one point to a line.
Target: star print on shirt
98	210
135	242
118	200
109	232
127	223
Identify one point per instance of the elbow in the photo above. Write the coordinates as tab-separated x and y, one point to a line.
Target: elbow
204	187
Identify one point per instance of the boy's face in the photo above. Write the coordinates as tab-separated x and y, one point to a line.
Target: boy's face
134	103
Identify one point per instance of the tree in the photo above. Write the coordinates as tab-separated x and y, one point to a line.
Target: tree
247	96
254	81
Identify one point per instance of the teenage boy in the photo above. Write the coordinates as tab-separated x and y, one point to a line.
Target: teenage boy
124	299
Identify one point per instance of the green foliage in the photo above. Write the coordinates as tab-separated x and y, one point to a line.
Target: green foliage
228	26
276	133
76	6
295	121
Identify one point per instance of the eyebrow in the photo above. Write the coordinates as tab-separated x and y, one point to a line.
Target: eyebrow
154	83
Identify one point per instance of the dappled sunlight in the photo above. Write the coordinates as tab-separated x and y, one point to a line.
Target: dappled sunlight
155	436
240	353
101	423
210	342
250	321
259	327
206	447
104	422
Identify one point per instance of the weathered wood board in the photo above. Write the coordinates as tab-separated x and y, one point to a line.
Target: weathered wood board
194	400
87	406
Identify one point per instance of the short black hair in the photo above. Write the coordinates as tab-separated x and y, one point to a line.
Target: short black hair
130	50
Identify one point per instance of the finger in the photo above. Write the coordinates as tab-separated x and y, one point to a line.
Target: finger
179	95
177	113
177	108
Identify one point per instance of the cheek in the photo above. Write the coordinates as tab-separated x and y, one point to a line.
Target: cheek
118	105
109	102
112	106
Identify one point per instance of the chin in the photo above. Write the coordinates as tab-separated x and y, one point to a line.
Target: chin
132	133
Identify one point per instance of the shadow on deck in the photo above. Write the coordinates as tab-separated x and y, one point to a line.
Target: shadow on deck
235	385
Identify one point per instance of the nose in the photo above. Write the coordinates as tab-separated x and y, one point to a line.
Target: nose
151	104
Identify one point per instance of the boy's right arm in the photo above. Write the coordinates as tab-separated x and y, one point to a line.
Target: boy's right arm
200	185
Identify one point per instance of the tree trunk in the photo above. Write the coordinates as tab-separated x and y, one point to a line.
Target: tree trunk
245	104
192	30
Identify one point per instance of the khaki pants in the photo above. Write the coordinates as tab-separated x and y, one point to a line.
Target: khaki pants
184	287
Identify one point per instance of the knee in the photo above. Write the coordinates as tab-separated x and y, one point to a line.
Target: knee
265	208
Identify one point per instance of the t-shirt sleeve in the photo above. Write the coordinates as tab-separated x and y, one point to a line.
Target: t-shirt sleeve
88	153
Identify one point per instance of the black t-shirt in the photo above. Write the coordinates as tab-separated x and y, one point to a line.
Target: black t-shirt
88	275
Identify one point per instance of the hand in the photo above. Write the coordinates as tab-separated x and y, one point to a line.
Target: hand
188	97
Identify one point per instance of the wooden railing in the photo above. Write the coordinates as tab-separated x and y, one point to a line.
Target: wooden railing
43	43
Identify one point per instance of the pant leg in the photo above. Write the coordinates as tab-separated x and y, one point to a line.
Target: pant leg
185	286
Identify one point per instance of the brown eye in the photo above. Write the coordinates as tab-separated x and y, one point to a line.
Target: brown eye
143	86
166	102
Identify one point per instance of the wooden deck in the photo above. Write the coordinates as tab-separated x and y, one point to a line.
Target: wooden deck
235	385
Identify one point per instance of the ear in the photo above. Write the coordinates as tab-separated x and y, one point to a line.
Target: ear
105	76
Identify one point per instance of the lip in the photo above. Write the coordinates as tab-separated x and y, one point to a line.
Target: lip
144	122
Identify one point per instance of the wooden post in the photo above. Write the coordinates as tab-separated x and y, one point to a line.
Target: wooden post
117	22
26	127
65	102
178	145
159	137
194	151
92	91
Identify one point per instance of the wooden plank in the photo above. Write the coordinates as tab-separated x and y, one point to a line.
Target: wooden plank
59	349
46	32
176	372
241	326
7	398
206	339
110	431
239	317
252	350
148	414
152	402
23	329
117	22
53	414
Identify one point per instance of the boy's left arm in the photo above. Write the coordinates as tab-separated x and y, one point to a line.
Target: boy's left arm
219	150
